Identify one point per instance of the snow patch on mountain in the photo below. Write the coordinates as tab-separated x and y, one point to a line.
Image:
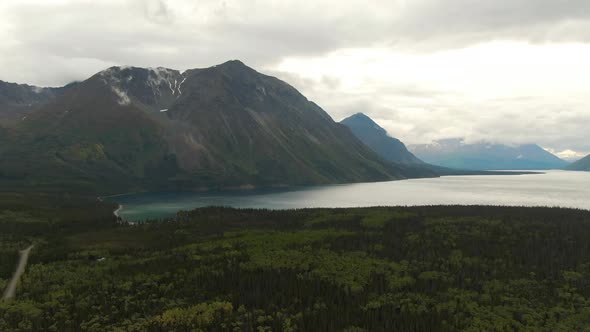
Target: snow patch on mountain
37	89
123	97
161	76
180	91
111	78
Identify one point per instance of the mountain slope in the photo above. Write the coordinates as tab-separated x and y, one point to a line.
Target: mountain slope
130	128
455	153
86	138
375	137
18	100
580	165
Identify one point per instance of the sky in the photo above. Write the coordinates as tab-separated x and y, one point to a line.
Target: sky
505	71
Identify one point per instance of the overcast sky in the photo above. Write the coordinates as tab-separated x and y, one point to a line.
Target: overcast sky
509	71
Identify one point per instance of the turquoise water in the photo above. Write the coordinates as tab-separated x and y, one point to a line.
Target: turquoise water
554	188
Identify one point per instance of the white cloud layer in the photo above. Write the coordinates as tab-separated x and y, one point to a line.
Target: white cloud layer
508	70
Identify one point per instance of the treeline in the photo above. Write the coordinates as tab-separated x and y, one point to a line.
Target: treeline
444	268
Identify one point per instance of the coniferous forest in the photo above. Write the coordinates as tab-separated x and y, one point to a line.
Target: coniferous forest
448	268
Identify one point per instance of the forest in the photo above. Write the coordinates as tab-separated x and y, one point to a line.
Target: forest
438	268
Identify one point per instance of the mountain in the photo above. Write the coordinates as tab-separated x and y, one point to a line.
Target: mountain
394	151
580	165
455	153
375	137
18	100
129	128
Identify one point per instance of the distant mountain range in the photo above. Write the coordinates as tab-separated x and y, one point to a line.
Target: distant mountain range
375	137
394	151
580	165
455	153
129	128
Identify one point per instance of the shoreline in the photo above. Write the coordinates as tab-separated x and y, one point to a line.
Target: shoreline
116	212
287	187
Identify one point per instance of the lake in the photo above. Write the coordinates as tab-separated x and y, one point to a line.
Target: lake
554	188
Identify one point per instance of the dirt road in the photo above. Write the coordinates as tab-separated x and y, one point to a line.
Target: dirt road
20	269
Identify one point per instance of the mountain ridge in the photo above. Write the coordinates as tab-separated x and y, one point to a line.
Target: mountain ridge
376	138
18	100
580	165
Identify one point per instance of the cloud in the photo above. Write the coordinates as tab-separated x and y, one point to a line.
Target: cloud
186	34
505	92
157	11
569	155
462	22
